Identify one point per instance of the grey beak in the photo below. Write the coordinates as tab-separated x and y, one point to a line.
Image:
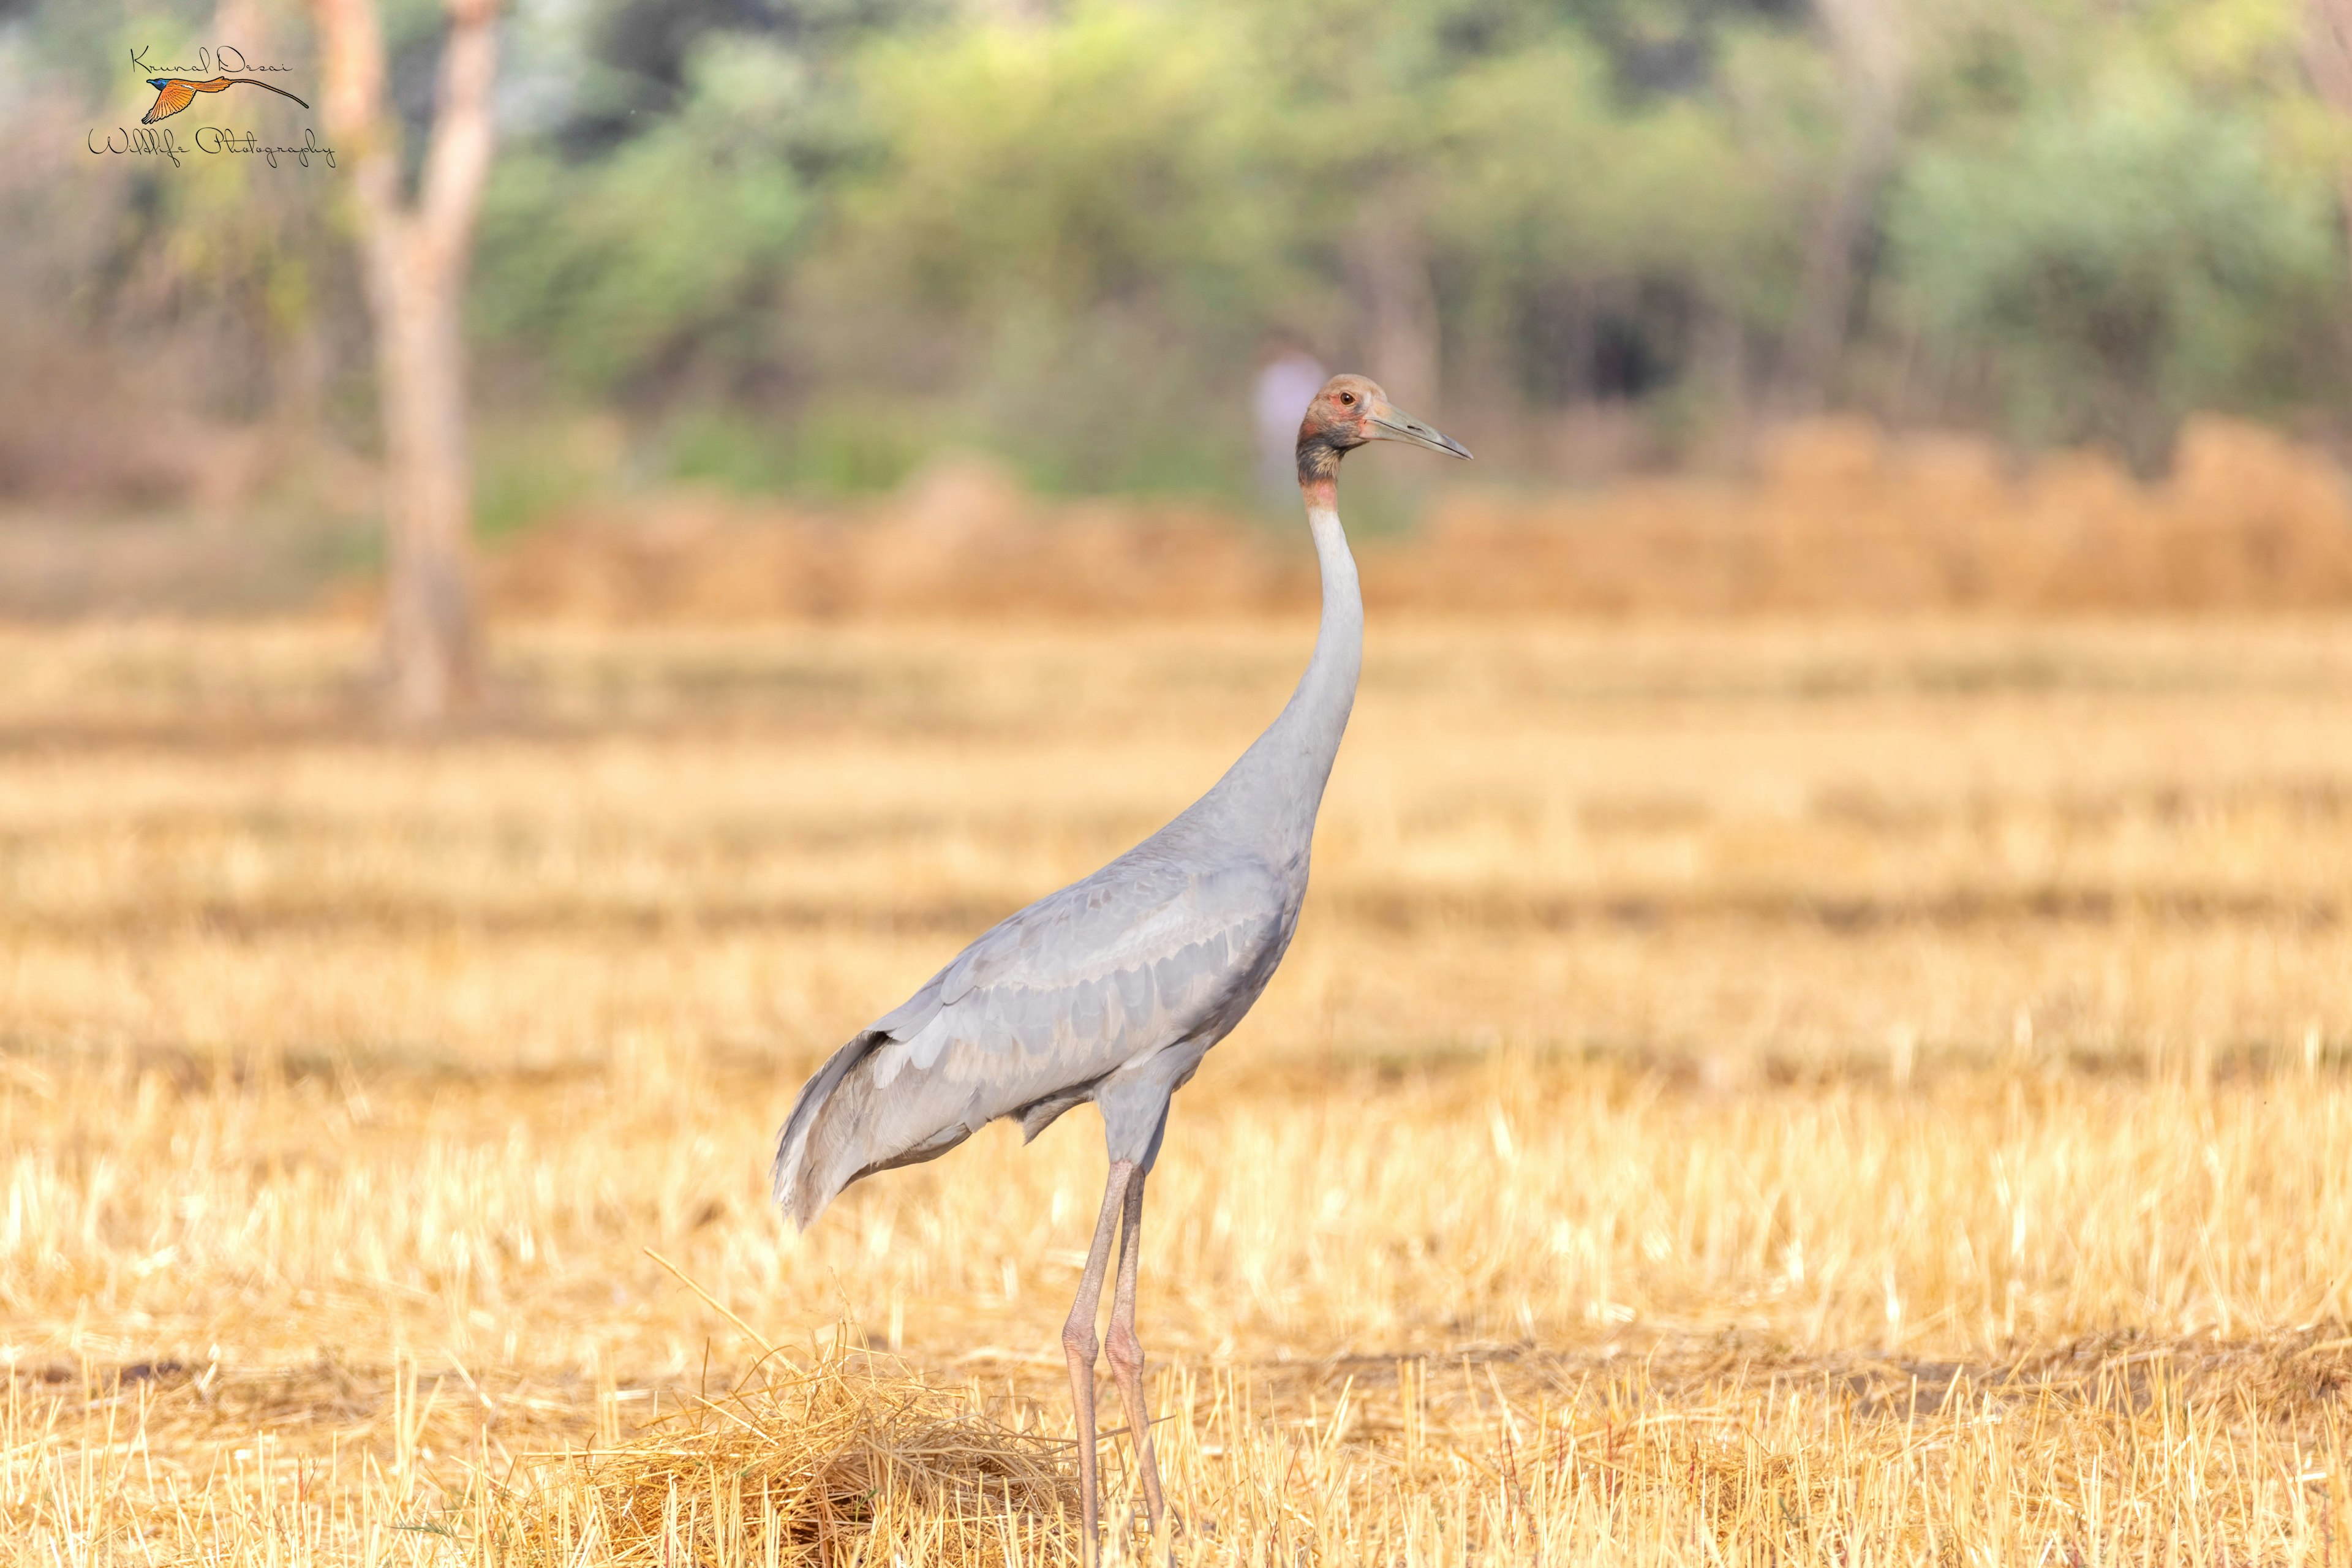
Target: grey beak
1388	423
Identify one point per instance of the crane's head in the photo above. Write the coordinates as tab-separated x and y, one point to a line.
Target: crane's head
1350	412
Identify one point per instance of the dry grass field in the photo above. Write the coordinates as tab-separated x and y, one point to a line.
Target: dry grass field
1792	1094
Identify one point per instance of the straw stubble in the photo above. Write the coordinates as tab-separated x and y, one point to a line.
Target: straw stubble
1779	1093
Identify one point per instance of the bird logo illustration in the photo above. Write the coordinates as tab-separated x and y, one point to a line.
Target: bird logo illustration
175	93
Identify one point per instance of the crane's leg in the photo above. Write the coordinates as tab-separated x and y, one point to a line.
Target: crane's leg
1126	1351
1079	1345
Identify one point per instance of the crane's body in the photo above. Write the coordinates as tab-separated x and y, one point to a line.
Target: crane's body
1112	989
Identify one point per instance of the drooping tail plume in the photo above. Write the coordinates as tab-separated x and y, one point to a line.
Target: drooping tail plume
175	93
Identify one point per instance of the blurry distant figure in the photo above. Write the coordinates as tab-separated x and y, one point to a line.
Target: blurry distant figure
1286	385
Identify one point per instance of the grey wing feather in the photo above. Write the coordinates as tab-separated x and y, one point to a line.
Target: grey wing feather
1143	953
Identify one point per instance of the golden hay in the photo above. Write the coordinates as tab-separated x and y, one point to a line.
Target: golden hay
842	1457
2132	1455
1740	1095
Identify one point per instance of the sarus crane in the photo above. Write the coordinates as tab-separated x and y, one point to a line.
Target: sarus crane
1114	988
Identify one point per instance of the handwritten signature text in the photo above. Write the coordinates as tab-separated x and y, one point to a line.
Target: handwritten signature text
163	142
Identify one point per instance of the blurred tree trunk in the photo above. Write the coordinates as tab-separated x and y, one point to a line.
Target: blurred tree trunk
415	254
296	372
1398	302
1873	59
2328	56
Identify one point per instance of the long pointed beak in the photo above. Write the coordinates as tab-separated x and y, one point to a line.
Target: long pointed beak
1388	424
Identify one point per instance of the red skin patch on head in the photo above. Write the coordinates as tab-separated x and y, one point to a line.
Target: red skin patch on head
1334	424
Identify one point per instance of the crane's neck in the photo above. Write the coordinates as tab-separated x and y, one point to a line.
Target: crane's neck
1277	785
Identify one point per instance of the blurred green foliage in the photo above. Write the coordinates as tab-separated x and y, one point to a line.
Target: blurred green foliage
2127	242
646	262
797	244
829	450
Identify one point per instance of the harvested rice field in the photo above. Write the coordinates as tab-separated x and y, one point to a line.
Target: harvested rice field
1774	1093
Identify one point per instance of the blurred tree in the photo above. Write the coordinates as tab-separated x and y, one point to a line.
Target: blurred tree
2122	253
636	61
2327	55
1553	216
998	219
656	266
205	309
802	242
1046	209
1870	42
416	253
1353	125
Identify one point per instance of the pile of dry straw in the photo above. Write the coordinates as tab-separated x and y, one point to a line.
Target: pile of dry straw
849	1459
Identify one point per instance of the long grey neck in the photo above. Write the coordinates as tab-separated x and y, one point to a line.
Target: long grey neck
1270	797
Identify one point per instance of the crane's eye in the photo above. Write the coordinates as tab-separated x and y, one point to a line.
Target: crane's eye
1348	398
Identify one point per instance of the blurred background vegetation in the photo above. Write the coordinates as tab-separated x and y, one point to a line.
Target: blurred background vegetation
795	245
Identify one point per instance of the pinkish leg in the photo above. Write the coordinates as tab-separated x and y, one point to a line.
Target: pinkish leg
1126	1351
1079	1345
